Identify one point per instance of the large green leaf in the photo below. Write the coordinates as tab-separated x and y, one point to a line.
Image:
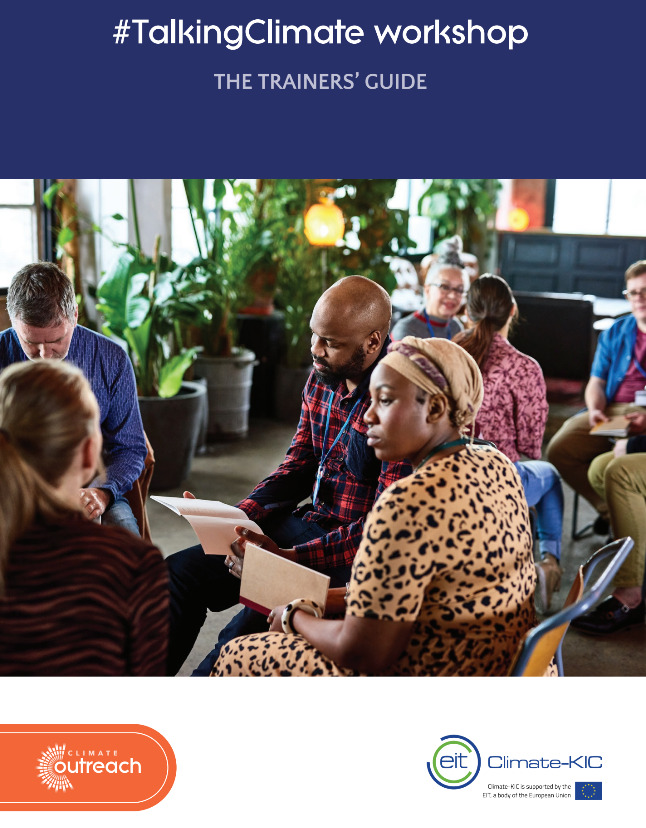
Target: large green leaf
119	295
172	372
194	188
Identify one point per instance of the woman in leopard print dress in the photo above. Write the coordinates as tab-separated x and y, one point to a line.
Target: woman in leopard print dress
443	581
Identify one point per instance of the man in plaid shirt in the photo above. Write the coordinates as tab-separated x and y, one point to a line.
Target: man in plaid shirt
328	460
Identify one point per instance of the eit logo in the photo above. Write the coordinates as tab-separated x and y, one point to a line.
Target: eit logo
455	763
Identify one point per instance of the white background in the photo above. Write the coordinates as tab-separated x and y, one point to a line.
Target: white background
323	752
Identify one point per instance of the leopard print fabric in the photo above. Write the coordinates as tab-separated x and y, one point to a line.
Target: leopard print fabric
448	548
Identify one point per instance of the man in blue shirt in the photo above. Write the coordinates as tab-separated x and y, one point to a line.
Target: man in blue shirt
618	372
44	314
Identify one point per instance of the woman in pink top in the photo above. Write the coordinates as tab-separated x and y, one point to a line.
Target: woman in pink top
513	416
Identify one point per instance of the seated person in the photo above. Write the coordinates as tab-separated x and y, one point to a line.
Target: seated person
443	581
329	461
43	312
618	372
444	289
76	598
619	477
513	415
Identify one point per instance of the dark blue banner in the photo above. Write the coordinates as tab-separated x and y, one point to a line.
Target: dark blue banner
162	87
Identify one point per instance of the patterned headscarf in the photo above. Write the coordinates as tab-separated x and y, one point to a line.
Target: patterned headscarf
439	366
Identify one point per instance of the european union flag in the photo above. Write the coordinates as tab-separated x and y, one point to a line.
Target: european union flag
587	790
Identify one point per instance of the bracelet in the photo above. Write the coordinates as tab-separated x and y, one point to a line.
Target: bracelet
310	607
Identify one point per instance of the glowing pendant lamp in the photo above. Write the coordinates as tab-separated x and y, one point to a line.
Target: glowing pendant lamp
324	224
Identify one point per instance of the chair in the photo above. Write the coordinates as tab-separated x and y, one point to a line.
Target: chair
137	496
543	643
584	531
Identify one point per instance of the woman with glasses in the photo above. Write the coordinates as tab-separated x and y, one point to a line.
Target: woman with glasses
444	290
513	415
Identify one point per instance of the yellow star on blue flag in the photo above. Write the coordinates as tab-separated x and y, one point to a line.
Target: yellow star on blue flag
587	790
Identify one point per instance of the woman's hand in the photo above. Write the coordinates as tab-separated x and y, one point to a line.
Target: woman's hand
274	619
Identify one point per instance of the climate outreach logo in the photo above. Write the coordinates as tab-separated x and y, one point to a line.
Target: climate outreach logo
455	763
50	771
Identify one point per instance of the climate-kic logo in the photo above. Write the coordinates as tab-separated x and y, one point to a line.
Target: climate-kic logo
84	767
455	763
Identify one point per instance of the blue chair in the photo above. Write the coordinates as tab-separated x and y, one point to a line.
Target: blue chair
543	643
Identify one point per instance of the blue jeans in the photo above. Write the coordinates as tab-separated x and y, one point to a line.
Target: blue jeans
200	582
543	489
120	514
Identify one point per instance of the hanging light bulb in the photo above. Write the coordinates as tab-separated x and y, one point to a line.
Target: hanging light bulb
324	224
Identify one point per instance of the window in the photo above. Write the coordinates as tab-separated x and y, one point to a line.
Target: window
407	195
599	206
184	244
18	226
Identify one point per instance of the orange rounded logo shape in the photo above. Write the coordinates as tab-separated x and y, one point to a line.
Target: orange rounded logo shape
83	767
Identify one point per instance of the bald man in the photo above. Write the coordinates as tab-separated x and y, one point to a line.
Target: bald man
329	461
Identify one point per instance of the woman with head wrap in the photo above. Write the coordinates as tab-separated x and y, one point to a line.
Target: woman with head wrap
443	580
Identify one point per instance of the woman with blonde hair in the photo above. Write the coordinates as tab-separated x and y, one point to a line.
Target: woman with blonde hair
76	598
443	581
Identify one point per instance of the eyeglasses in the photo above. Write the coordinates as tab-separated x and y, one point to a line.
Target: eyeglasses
447	289
635	294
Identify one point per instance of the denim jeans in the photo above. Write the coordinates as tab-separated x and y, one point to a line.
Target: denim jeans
120	514
544	491
200	582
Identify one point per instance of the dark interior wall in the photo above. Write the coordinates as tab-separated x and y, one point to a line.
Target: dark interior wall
568	264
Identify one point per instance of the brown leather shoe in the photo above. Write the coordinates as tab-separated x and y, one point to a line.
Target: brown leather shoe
548	573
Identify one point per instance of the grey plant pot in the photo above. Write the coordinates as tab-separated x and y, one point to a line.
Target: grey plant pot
228	381
173	426
289	392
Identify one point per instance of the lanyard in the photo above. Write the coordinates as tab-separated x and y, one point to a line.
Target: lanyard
428	324
638	366
326	454
463	441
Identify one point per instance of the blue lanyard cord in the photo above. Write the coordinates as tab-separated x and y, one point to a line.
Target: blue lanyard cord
638	366
325	454
428	324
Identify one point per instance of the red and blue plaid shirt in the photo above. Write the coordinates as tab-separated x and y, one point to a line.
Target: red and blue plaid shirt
352	481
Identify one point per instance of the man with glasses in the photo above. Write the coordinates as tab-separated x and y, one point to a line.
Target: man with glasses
618	372
444	291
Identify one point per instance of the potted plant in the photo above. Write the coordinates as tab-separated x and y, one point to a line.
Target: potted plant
214	287
464	206
141	306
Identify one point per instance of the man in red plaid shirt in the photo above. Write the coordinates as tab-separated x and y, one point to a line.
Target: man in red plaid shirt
328	460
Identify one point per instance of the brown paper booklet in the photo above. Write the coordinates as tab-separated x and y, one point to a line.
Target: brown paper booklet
615	427
270	581
213	521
